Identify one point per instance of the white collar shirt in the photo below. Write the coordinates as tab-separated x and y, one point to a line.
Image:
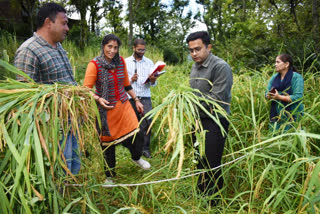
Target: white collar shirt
144	68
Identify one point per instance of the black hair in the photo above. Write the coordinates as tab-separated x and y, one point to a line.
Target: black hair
138	42
287	58
110	37
203	35
48	10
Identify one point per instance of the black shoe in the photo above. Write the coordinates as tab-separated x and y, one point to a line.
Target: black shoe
146	153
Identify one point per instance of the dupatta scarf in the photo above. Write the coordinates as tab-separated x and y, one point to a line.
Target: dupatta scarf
106	66
283	86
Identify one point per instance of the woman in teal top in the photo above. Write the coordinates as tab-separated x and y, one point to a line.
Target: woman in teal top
285	90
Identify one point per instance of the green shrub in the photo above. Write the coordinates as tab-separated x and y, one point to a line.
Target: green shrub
170	57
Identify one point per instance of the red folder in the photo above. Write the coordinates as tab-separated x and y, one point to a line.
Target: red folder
157	68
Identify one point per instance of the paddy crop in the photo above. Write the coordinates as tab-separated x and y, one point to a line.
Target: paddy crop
278	171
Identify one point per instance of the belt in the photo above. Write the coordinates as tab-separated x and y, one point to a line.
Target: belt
142	98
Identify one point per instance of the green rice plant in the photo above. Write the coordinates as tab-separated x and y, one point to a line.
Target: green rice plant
309	61
9	43
249	184
278	174
79	59
274	176
33	119
270	180
312	193
5	58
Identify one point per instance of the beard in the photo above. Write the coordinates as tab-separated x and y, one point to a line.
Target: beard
138	55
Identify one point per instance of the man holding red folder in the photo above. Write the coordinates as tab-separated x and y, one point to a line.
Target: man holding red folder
139	68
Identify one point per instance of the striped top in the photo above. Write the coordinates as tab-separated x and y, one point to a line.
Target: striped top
118	81
144	68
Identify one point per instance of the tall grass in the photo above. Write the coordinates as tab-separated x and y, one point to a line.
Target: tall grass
8	47
275	178
9	44
279	173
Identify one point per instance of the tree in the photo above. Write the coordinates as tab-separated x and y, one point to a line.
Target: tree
82	6
132	8
29	10
94	8
113	9
315	29
150	18
249	24
207	19
178	27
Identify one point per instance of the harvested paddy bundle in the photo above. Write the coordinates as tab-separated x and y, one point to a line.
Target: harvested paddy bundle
33	120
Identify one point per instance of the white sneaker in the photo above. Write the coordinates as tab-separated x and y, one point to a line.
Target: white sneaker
143	164
108	181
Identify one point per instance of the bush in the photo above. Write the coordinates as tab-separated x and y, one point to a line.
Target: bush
170	57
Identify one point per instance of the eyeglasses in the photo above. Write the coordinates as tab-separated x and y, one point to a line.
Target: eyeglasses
141	50
195	50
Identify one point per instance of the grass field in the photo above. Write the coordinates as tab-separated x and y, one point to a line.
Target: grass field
277	172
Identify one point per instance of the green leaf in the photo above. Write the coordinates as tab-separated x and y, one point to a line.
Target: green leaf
4	202
38	153
13	69
68	207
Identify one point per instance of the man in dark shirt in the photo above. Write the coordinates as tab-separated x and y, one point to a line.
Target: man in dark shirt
213	77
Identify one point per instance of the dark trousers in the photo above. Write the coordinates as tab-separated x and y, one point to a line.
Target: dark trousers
211	181
144	126
109	153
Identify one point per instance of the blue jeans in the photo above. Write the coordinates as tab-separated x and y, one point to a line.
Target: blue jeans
71	153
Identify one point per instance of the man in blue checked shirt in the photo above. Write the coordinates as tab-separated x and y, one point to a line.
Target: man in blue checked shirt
45	61
139	68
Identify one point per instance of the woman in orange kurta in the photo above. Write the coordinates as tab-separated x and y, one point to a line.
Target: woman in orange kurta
108	73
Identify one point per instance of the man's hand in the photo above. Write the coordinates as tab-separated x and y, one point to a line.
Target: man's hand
139	107
104	103
152	78
134	77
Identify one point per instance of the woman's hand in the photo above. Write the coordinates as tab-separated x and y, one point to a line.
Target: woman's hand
104	103
277	96
274	95
268	96
139	107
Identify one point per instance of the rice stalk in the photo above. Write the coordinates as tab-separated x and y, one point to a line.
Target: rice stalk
33	118
179	118
313	192
258	185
